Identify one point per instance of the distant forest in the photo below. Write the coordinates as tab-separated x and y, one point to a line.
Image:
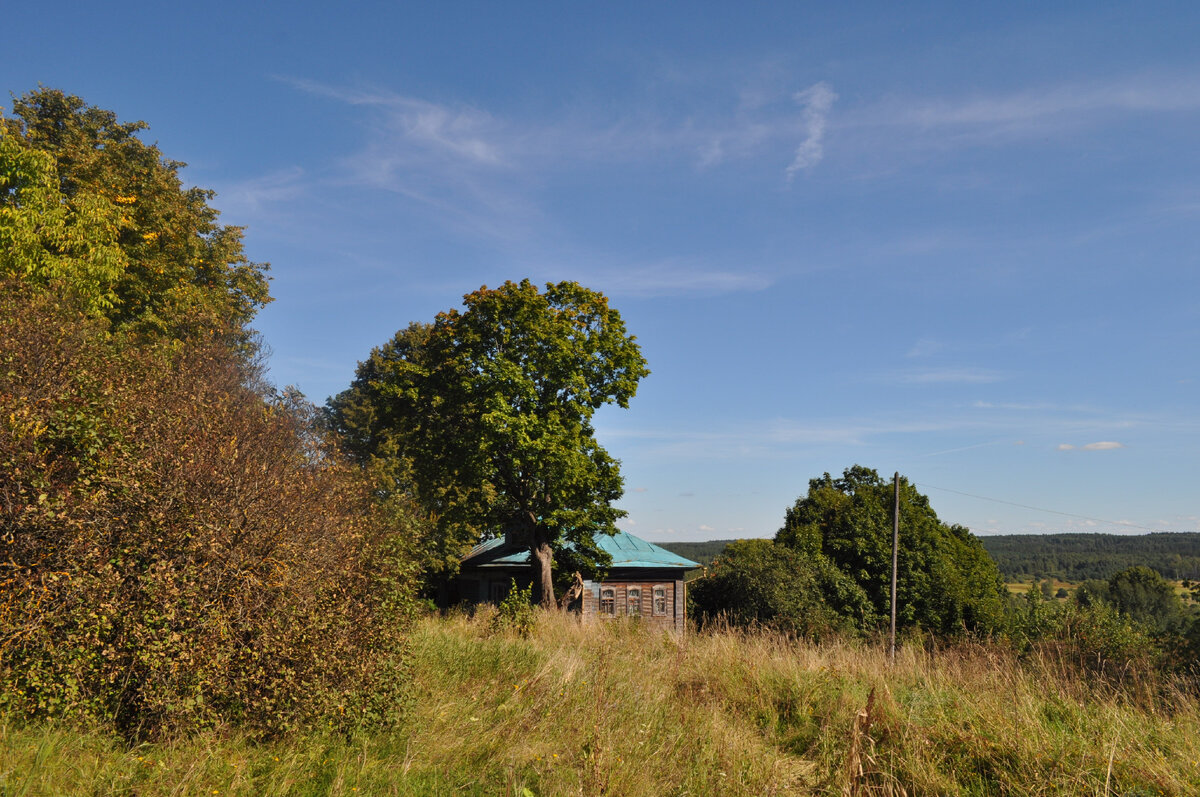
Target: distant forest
700	552
1068	557
1076	557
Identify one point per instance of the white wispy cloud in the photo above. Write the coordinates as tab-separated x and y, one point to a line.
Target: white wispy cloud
671	278
1019	406
816	100
1103	445
1036	110
1035	106
964	375
967	448
470	136
772	439
460	132
925	347
488	175
946	431
253	196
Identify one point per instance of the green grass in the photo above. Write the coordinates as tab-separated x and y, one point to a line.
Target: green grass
619	710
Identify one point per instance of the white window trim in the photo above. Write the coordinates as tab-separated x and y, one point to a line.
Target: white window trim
628	613
600	605
654	601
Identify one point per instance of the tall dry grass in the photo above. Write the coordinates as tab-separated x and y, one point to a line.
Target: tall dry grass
621	710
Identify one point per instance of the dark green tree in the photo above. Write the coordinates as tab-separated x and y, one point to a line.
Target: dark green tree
156	259
373	419
759	582
485	417
1092	592
1143	595
947	582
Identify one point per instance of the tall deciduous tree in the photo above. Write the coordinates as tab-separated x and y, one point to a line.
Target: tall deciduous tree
164	264
947	581
50	241
489	410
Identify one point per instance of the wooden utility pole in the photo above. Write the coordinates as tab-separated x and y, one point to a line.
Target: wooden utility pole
895	561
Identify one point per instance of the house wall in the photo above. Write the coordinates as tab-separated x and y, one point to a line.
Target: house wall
671	618
486	587
480	586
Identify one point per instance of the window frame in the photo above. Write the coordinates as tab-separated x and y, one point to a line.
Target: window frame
611	610
655	590
630	603
497	592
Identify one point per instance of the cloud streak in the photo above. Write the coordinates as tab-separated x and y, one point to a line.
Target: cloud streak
461	133
1103	445
943	376
816	101
258	194
491	178
1035	111
671	279
472	136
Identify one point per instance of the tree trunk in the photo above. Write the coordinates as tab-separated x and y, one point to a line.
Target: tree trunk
541	556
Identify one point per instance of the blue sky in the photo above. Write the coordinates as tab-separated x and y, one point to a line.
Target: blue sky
956	242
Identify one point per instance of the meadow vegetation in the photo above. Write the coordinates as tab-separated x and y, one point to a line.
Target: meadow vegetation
620	709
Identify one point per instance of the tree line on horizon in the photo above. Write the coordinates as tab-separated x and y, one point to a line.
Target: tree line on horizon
1079	557
1072	557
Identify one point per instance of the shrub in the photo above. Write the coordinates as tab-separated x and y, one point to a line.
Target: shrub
180	551
758	582
515	612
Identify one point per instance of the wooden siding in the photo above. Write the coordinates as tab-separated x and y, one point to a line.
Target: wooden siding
671	619
483	586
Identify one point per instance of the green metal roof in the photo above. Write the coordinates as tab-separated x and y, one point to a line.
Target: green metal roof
625	549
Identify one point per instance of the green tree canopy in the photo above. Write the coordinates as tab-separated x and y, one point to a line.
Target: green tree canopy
1145	596
486	418
86	205
47	240
759	582
947	582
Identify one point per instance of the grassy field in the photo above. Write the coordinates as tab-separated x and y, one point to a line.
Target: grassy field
1187	594
618	710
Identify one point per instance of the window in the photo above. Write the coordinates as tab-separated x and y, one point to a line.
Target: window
660	601
634	595
498	591
608	601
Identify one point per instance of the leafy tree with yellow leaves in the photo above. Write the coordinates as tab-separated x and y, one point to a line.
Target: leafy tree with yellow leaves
86	205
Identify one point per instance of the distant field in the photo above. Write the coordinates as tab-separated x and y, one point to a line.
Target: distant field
1189	594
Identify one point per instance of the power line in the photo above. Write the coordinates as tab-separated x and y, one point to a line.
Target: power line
1042	509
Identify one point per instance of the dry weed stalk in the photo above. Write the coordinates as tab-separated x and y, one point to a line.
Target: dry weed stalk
864	775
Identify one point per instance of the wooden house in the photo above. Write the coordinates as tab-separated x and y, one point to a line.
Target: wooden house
644	580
